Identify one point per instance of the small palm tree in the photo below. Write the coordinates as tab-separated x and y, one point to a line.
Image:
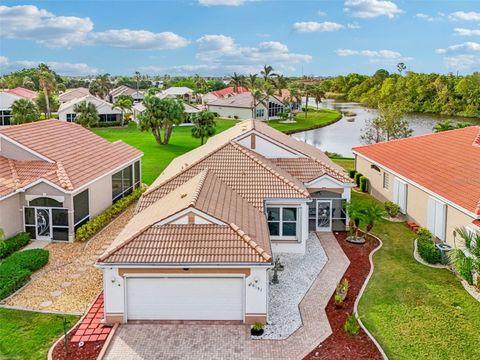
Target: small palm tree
252	82
236	81
267	72
258	98
371	213
268	92
87	114
355	214
318	94
203	125
24	111
279	83
123	103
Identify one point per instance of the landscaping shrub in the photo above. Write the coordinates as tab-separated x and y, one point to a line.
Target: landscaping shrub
93	226
352	173
363	183
463	264
426	247
357	178
351	326
17	269
9	246
392	209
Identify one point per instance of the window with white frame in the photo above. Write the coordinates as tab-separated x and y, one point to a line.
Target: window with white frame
386	180
71	117
282	221
260	113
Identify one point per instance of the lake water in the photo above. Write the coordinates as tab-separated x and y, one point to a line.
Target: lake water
341	136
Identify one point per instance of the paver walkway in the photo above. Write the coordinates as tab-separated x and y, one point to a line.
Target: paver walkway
153	341
70	282
91	327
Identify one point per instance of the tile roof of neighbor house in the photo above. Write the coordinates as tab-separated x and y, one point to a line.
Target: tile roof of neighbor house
92	99
243	100
228	91
240	236
73	94
72	155
446	163
24	93
177	90
124	90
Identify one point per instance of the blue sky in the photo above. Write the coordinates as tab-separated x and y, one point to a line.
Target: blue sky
218	37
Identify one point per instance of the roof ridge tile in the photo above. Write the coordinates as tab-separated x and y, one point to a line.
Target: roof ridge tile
248	240
13	170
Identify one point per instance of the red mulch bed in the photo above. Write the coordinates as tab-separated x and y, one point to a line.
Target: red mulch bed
89	351
340	345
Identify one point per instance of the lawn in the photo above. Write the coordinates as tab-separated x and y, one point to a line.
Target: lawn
346	163
315	119
414	311
29	335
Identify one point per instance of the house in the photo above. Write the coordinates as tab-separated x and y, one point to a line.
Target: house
73	94
23	93
222	94
137	95
207	230
55	176
106	112
182	92
189	110
434	178
242	106
6	101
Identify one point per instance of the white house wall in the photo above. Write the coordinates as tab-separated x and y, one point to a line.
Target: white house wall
15	152
7	100
265	147
228	112
11	217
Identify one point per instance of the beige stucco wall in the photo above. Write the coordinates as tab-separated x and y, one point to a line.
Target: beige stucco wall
231	112
100	195
375	179
455	219
11	218
417	205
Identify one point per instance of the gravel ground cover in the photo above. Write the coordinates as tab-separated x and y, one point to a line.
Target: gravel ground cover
70	281
294	281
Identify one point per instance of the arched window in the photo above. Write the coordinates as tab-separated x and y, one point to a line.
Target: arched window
45	201
375	167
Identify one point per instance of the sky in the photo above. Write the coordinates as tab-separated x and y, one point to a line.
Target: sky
219	37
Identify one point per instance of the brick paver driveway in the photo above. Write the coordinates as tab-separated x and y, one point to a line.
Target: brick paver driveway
153	341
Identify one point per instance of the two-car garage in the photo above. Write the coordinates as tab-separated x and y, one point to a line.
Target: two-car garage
184	298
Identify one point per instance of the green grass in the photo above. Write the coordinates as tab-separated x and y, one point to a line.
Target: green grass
414	311
315	119
157	157
28	335
346	163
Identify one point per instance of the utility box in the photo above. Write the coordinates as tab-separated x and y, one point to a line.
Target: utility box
444	250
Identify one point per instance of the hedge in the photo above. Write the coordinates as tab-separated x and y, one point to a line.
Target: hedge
357	178
9	246
426	247
352	173
363	183
96	224
17	269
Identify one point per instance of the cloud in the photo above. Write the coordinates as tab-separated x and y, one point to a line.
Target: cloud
62	68
138	39
469	46
466	16
222	2
353	25
467	32
313	26
379	54
462	62
321	13
28	22
372	8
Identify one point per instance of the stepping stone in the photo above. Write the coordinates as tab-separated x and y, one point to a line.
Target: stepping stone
74	276
81	269
45	303
66	284
56	293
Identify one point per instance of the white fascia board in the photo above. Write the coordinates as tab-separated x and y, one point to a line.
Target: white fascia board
331	178
183	265
421	187
23	147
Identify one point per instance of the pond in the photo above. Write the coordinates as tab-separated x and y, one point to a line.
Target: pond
341	136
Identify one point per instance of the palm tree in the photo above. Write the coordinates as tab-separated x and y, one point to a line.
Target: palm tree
279	83
267	72
203	125
318	94
371	213
236	81
258	98
306	91
101	86
355	214
268	92
24	111
47	83
123	103
87	114
252	82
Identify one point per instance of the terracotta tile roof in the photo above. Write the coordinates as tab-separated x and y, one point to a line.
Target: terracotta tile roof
476	222
73	94
239	235
229	91
243	100
446	163
307	169
24	93
254	177
76	155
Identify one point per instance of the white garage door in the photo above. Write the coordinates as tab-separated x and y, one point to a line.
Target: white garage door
184	298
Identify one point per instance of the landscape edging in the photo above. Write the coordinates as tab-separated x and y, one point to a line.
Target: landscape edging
359	296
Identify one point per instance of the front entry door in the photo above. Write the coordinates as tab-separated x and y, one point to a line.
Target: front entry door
324	215
43	223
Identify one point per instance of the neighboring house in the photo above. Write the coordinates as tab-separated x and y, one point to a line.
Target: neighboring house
206	231
23	93
137	109
182	92
6	101
73	94
241	106
106	111
137	95
55	176
222	94
189	111
434	178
